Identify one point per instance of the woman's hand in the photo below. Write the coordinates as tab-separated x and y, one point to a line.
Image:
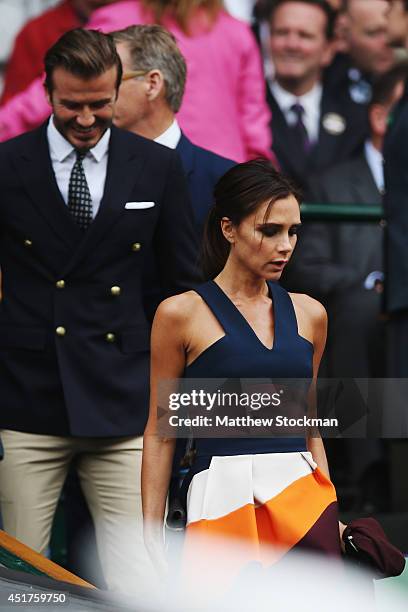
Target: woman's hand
167	363
154	542
342	527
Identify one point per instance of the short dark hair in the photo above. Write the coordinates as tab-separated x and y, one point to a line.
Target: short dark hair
327	9
384	85
237	195
84	53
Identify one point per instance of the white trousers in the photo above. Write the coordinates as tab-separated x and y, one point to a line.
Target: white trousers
32	474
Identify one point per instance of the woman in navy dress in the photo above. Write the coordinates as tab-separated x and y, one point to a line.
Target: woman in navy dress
243	324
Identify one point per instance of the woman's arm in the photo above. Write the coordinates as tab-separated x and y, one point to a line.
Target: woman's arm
167	363
314	441
317	316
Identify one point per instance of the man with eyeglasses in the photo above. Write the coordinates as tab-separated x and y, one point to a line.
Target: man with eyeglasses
149	98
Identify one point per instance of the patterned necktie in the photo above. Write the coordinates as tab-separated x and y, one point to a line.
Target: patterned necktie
79	196
299	129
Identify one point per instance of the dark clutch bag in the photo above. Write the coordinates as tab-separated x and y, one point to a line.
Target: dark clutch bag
367	545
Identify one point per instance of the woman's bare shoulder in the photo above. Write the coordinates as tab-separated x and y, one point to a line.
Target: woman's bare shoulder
178	308
311	309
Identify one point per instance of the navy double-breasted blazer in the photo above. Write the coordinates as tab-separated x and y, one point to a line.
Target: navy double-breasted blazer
74	339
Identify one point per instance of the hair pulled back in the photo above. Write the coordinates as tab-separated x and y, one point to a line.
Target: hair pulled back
237	195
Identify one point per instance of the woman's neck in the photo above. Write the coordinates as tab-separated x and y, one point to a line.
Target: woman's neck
241	283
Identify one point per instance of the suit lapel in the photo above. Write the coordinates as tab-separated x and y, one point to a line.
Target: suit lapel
329	143
37	176
123	170
186	151
334	147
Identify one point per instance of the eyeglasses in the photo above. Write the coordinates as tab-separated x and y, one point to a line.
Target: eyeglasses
133	73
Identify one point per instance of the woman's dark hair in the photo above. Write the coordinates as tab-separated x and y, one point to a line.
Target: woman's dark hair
237	195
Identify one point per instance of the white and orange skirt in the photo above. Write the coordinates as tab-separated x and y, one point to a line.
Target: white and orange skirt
264	505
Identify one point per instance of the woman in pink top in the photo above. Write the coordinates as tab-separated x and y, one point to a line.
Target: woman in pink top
224	106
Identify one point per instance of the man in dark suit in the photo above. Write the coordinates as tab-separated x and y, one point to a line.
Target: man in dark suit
368	53
341	263
311	129
396	243
82	202
151	94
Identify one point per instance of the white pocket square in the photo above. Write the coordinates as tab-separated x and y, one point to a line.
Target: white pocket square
139	205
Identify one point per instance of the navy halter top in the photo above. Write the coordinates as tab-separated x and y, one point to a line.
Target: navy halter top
241	354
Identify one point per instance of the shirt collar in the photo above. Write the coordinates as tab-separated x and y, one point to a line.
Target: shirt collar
374	160
60	148
170	137
310	100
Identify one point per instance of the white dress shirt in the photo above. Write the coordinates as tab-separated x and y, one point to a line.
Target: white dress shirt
241	9
170	137
95	162
374	160
310	102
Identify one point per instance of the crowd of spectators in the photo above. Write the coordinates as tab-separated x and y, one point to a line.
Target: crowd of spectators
310	84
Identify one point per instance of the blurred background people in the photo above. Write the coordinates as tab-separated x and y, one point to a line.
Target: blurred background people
398	26
312	129
367	52
396	260
224	106
342	263
150	97
395	202
366	36
241	9
27	59
14	14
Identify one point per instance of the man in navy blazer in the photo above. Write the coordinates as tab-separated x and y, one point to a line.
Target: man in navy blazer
151	94
81	204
